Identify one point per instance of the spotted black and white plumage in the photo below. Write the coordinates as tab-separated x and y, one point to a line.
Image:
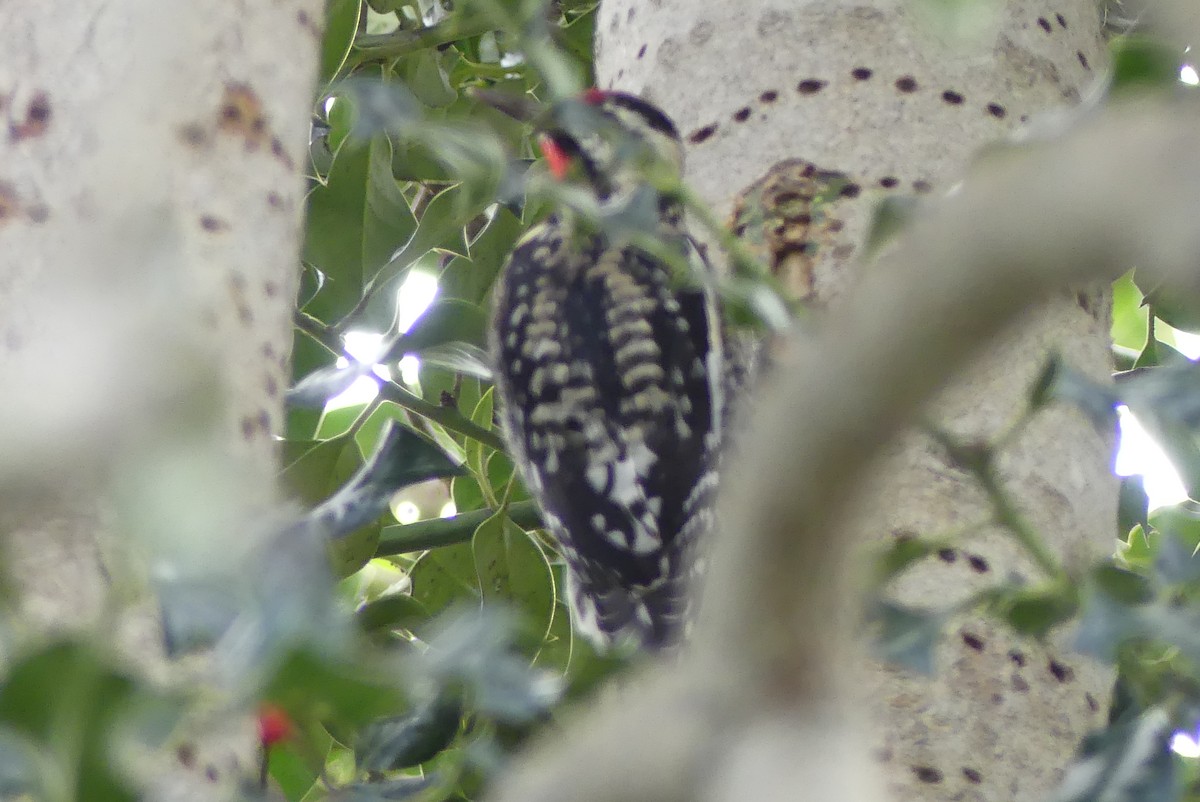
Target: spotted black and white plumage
604	369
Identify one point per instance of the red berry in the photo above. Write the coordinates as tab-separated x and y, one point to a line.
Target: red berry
274	724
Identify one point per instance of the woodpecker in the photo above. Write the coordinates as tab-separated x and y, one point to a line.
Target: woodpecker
605	369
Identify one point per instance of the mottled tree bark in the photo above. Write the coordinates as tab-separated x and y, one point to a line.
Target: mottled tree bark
151	161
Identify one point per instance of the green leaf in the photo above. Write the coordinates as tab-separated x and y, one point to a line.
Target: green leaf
512	568
389	222
440	227
442	577
578	36
425	76
310	467
356	221
291	772
447	320
1176	306
1130	316
471	278
341	24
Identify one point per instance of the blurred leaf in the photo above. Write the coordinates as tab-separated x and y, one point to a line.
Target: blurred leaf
349	519
409	740
1131	761
313	687
315	389
1177	439
387	790
21	764
893	214
397	611
1141	62
67	698
475	650
308	356
1133	506
1105	624
901	553
1060	382
906	636
1123	586
1035	612
379	105
291	605
1179	536
461	358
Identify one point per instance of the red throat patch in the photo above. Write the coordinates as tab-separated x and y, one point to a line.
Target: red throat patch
594	96
557	159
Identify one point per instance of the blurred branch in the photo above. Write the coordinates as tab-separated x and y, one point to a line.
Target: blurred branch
764	680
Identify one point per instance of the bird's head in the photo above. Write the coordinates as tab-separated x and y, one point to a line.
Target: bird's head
614	140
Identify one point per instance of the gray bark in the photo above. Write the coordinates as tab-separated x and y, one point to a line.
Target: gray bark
151	192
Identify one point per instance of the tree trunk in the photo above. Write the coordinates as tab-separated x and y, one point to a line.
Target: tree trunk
870	92
151	193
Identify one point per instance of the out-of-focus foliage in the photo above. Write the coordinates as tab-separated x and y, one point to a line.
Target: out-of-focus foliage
406	659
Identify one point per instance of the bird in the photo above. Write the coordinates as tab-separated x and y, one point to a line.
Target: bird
607	370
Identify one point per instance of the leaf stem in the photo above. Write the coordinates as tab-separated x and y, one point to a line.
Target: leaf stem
437	532
384	47
447	417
